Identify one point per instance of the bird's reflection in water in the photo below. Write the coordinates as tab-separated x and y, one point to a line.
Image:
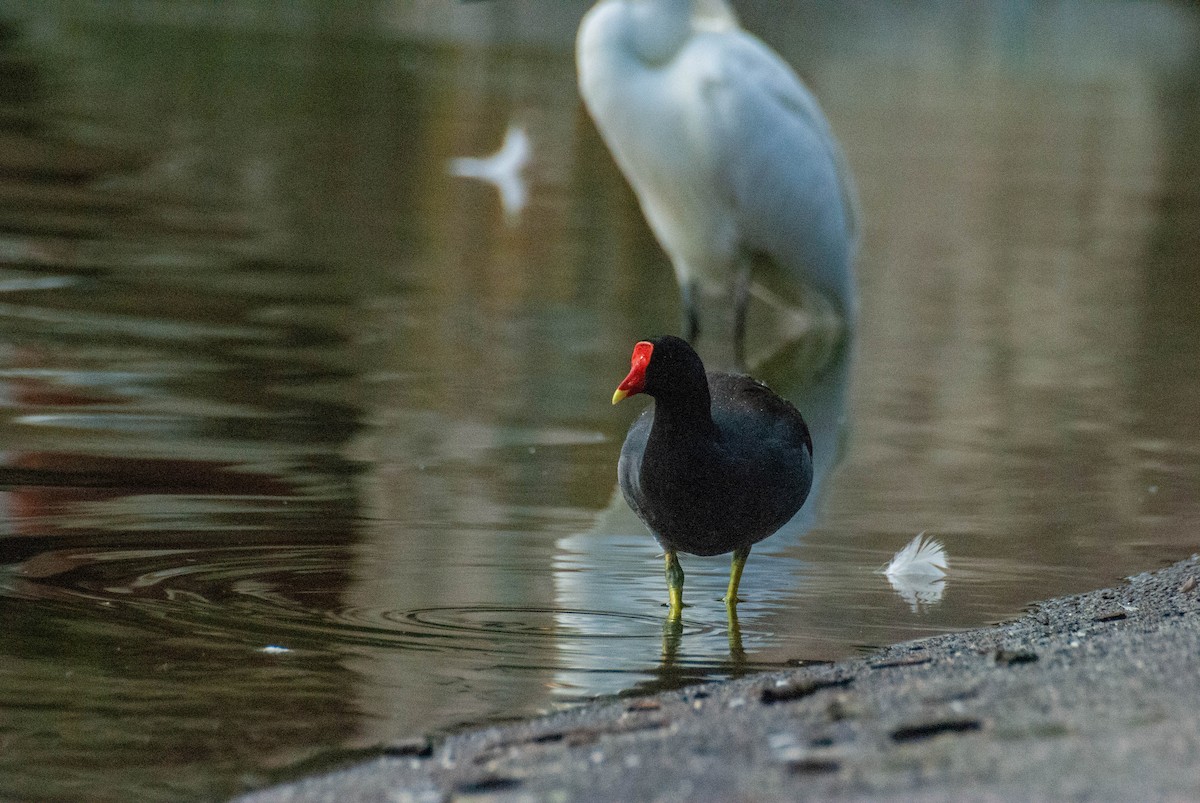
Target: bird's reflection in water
503	169
736	651
673	638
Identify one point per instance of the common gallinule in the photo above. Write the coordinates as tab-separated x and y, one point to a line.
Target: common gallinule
728	152
717	463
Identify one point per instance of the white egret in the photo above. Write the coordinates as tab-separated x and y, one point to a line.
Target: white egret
730	156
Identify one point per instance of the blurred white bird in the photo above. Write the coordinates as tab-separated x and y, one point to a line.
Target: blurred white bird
728	152
503	169
917	572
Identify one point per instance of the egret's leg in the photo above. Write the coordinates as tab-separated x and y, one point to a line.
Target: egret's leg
691	316
674	585
735	576
741	306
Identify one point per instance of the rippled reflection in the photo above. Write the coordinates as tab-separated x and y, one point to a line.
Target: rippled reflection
307	446
502	169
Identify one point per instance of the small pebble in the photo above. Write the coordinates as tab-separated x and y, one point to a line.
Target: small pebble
1188	585
1013	657
843	707
780	741
1115	616
644	705
786	747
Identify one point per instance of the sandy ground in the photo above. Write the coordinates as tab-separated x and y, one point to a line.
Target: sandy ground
1090	697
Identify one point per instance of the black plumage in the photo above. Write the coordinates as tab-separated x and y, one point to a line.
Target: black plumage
719	462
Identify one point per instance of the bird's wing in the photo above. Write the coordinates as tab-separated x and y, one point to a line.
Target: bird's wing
629	465
750	399
780	164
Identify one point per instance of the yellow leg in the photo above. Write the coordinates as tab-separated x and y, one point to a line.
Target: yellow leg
672	638
735	576
674	585
736	651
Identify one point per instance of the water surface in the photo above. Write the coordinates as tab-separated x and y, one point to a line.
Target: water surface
308	447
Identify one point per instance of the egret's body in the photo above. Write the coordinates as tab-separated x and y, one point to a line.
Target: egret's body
729	154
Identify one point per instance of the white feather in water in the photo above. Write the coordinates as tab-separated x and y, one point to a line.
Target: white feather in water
502	169
918	572
922	557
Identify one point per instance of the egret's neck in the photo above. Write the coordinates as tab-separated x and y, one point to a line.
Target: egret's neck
660	28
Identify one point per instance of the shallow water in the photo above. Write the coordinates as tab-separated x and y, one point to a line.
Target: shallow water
307	447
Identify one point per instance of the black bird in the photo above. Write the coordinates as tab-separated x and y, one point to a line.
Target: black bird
717	464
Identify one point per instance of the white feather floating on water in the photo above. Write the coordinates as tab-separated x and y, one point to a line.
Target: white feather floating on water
922	557
502	169
918	571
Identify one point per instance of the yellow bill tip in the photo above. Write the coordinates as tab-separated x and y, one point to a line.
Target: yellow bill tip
619	394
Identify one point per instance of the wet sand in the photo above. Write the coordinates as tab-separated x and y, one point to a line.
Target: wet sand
1093	696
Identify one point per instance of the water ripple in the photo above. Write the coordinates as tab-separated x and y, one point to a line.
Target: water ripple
294	595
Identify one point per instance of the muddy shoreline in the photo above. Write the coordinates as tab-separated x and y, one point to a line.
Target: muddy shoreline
1092	696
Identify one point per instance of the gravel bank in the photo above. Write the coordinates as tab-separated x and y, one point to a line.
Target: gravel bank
1095	696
